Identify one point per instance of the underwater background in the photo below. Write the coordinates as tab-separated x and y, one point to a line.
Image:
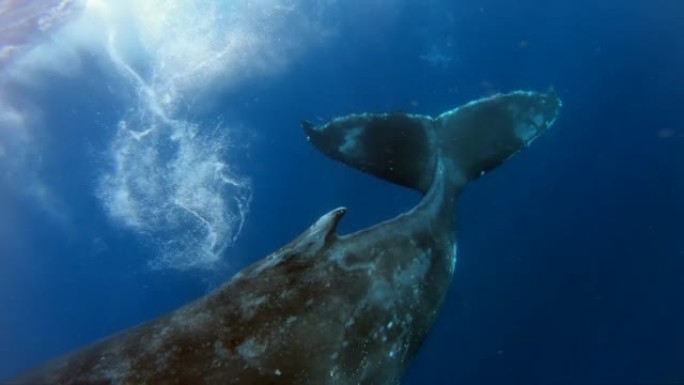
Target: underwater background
151	149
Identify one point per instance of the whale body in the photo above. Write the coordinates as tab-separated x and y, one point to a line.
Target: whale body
329	308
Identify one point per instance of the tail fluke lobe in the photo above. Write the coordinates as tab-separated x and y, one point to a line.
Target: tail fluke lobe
480	135
396	147
469	140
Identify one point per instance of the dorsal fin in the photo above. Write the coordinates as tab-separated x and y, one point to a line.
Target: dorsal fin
320	233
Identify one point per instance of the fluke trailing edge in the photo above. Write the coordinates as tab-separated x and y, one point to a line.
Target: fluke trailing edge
331	309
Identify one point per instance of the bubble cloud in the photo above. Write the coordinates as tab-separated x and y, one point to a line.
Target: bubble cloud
168	175
171	178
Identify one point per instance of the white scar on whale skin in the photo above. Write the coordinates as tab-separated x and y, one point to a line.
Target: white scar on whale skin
329	308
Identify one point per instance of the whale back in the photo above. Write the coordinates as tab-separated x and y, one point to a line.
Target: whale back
328	308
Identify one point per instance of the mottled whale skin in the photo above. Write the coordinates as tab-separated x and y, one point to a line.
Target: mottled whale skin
331	309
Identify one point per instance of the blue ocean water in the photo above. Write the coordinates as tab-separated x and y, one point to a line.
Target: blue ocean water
149	154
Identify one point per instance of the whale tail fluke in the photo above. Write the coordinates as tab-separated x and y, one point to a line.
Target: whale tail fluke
470	140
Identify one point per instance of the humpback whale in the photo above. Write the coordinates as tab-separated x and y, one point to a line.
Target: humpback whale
329	308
